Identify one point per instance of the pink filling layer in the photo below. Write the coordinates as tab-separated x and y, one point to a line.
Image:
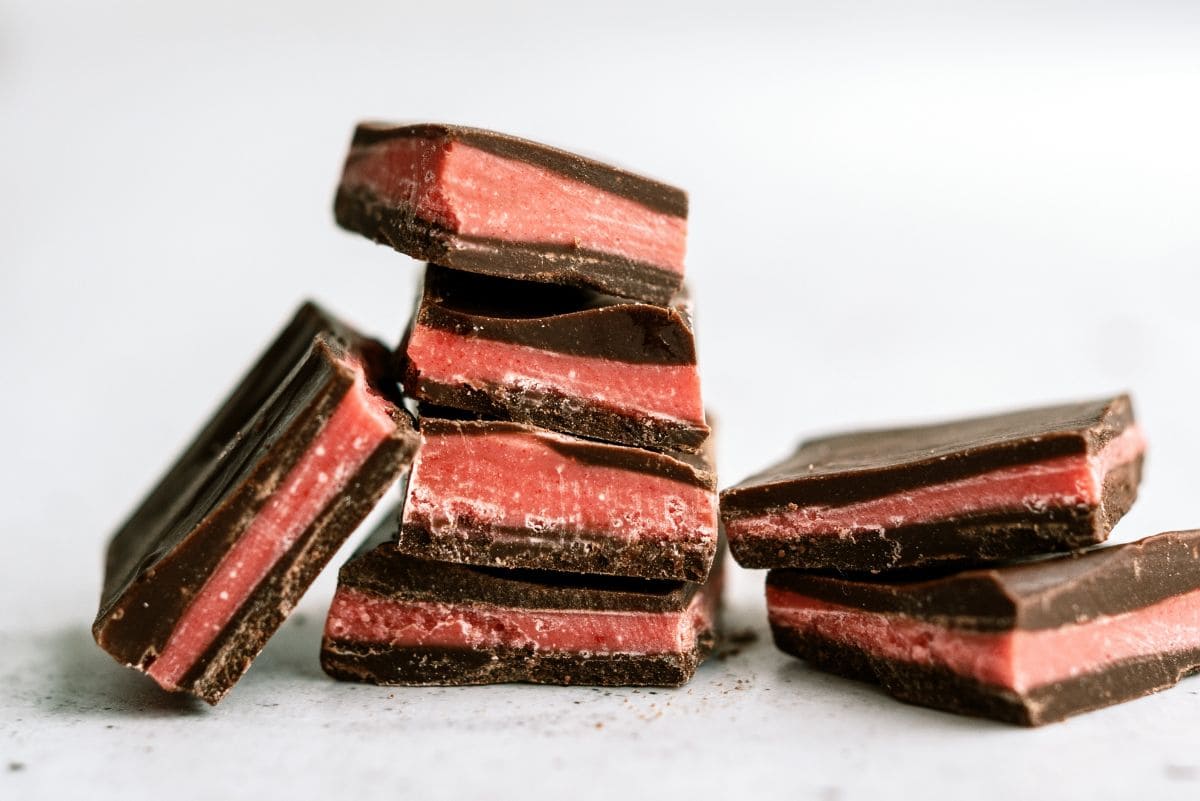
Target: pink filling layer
359	617
670	391
1053	483
1018	660
475	193
518	481
358	425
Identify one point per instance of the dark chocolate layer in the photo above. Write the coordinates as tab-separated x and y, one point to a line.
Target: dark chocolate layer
562	319
1036	595
417	667
560	413
694	469
646	191
869	464
941	688
382	569
381	221
478	544
162	556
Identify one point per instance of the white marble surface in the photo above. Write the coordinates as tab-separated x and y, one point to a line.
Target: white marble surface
898	214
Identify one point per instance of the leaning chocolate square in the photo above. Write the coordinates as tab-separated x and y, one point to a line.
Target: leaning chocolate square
398	619
490	203
1029	644
1049	479
219	552
512	495
563	358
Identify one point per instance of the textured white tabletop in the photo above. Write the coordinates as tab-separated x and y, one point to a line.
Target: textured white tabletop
896	216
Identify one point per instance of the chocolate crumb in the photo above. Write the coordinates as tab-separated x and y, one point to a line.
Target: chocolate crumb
735	642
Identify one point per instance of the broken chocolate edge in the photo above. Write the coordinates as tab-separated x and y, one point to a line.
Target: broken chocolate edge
141	614
400	229
246	633
647	192
778	485
287	397
987	536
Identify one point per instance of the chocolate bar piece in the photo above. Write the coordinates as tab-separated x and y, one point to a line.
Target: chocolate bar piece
1028	482
511	495
398	619
219	552
558	357
1029	644
489	203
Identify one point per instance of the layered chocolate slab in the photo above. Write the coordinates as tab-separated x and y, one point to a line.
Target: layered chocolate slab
563	358
489	203
218	553
1029	644
398	619
512	495
1042	480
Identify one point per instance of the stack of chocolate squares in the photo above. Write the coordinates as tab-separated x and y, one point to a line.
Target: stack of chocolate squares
560	521
561	518
924	559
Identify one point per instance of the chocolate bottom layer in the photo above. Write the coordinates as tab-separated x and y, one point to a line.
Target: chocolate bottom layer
940	688
984	537
531	261
580	553
427	667
560	412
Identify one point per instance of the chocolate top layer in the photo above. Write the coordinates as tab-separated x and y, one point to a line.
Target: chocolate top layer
557	318
867	464
303	369
646	191
695	469
380	569
1037	595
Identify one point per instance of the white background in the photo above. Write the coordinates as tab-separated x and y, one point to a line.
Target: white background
900	212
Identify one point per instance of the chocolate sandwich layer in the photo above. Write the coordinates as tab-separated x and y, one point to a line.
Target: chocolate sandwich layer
563	358
1028	644
398	619
512	495
990	488
490	203
216	556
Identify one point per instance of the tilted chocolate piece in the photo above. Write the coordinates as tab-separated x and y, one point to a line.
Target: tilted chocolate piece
563	358
1028	482
1028	644
490	203
511	495
397	619
219	552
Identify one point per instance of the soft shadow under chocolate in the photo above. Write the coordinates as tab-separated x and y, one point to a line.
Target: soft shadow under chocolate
81	680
